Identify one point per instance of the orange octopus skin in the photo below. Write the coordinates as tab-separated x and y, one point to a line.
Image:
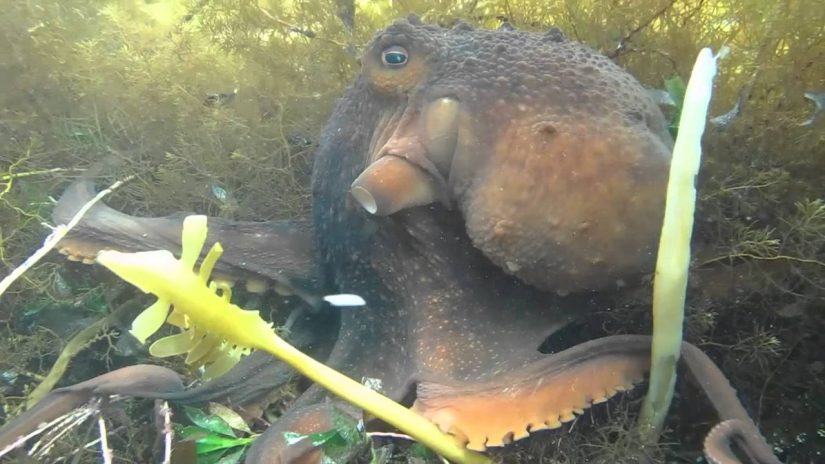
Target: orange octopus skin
553	191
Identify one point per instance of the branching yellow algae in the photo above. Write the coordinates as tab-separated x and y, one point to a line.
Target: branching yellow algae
198	341
215	329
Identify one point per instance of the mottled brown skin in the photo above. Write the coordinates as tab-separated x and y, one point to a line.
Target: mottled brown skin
561	159
549	186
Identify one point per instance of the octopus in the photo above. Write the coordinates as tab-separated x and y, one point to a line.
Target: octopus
480	190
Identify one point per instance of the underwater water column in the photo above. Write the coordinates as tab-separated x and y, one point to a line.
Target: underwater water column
673	259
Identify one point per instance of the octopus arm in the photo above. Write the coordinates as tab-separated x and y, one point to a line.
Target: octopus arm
141	380
552	391
277	254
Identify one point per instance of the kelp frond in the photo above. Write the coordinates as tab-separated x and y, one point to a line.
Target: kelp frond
205	315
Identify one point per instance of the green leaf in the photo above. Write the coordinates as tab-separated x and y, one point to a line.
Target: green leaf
331	437
676	88
328	438
232	418
215	442
348	439
207	441
292	437
338	444
190	432
232	458
348	428
212	423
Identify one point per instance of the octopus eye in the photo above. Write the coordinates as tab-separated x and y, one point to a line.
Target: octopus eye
394	56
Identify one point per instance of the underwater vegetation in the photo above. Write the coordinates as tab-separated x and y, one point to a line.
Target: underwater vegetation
216	107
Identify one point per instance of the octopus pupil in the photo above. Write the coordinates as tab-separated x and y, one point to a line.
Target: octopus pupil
395	58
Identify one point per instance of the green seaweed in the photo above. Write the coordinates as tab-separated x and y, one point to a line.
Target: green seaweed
341	443
675	88
215	440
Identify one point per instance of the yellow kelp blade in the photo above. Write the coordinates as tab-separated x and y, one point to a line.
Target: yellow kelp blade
209	261
150	320
201	352
178	319
193	236
160	273
227	359
173	345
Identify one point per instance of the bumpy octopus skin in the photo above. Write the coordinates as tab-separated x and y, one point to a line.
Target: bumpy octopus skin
477	189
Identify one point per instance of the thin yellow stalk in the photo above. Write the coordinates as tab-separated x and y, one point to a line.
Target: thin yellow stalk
673	260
